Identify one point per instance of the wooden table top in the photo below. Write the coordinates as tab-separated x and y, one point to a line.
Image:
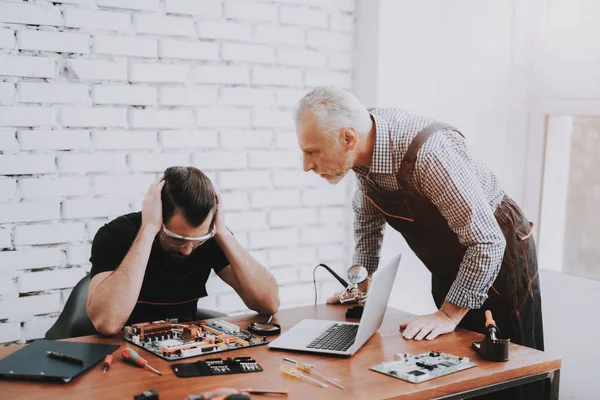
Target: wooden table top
123	381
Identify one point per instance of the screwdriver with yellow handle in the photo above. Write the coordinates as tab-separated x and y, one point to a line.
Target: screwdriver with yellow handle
134	358
311	370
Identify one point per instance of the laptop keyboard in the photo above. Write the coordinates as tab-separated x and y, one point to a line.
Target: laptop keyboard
338	337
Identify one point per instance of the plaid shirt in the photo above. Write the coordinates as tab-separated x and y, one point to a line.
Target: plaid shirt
444	161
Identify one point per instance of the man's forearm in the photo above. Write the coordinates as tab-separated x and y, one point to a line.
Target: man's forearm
114	299
257	286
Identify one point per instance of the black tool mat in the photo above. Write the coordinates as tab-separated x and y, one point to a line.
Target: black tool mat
216	366
32	362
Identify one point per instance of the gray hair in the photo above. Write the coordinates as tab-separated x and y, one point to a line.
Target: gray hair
334	109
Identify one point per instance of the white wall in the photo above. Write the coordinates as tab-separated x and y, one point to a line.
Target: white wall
486	67
97	97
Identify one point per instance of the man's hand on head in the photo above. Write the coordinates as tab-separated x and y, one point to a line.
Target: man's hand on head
152	207
220	227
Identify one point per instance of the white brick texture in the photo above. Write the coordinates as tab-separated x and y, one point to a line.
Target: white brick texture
46	210
197	96
275	198
276	34
55	279
140	5
27	164
98	97
31	92
224	30
76	209
246	139
30	259
204	8
94	162
29	14
158	73
169	26
188	50
7	38
49	233
41	139
305	17
188	139
125	95
35	67
31	188
125	46
27	116
8	189
23	308
7	92
252	11
122	185
97	20
10	332
61	42
115	140
96	70
93	117
161	118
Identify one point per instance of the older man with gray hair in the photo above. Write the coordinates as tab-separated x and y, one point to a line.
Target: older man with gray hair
421	177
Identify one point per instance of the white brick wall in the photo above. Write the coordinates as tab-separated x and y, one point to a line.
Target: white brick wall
35	67
49	233
61	42
30	259
97	97
31	188
100	20
188	50
127	95
33	92
55	279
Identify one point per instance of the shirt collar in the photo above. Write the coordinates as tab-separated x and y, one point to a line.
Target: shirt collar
382	153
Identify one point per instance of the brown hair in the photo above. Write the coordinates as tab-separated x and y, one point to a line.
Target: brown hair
188	190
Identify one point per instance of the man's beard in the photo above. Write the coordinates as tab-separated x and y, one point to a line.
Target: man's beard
337	175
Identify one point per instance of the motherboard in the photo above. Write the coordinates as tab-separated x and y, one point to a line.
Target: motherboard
422	367
173	341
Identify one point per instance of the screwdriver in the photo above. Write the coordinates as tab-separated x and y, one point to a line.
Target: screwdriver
310	369
298	374
134	358
107	362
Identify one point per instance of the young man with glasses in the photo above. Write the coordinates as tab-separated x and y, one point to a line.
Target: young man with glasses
154	264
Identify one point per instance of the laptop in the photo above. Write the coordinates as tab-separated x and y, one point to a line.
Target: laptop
343	338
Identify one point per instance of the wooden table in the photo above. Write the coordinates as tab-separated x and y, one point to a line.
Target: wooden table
123	381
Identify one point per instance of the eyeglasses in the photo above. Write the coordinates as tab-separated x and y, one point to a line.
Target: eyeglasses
176	241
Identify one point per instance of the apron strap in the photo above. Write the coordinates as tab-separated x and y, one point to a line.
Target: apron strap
407	167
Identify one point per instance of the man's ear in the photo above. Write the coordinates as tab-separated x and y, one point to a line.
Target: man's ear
350	137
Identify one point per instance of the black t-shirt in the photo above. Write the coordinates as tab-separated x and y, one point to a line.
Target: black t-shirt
173	282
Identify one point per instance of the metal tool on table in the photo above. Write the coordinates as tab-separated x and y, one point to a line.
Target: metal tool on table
298	374
134	358
267	328
266	392
492	348
107	362
357	275
235	394
311	370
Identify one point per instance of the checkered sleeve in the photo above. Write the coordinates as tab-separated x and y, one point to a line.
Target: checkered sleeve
369	226
451	183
